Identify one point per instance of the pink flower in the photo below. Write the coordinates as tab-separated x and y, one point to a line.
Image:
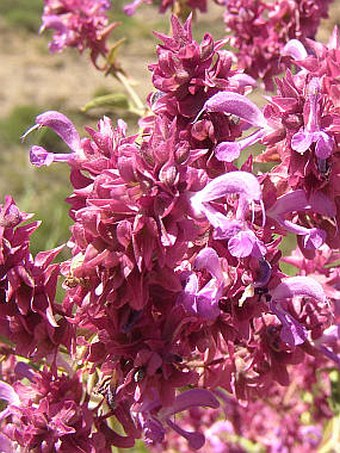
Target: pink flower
312	132
204	301
49	414
242	240
186	76
78	23
152	419
259	30
28	288
293	332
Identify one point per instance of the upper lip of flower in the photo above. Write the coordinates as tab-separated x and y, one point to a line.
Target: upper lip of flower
63	127
293	332
312	131
235	104
237	182
299	286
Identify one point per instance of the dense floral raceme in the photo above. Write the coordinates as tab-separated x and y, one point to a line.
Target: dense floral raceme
178	324
259	30
78	23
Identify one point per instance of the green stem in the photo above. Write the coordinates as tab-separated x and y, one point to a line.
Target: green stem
140	108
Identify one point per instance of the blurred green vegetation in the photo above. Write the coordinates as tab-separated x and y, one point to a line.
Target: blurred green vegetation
22	14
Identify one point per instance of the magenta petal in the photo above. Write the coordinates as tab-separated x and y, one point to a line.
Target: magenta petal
208	259
235	182
10	215
289	202
314	239
324	146
62	126
243	80
207	300
236	104
188	296
292	333
228	151
7	393
295	49
299	286
6	445
196	440
242	244
131	8
40	157
301	141
55	23
192	398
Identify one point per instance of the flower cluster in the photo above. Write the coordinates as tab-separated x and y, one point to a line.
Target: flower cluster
174	295
29	316
285	419
82	24
260	29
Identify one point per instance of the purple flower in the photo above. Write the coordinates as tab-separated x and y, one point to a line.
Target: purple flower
48	412
235	104
8	394
242	241
28	288
152	420
313	238
312	132
259	31
204	300
293	333
78	23
229	151
187	76
238	182
62	126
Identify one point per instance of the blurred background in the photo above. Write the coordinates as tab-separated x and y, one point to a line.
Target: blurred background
33	81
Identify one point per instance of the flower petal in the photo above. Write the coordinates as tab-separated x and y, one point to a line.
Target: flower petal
295	49
192	398
235	182
242	244
302	140
7	393
314	239
62	126
324	145
207	300
228	151
236	104
208	259
292	333
40	157
196	440
299	286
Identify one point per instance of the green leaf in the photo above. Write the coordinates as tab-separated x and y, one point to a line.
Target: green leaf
111	101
